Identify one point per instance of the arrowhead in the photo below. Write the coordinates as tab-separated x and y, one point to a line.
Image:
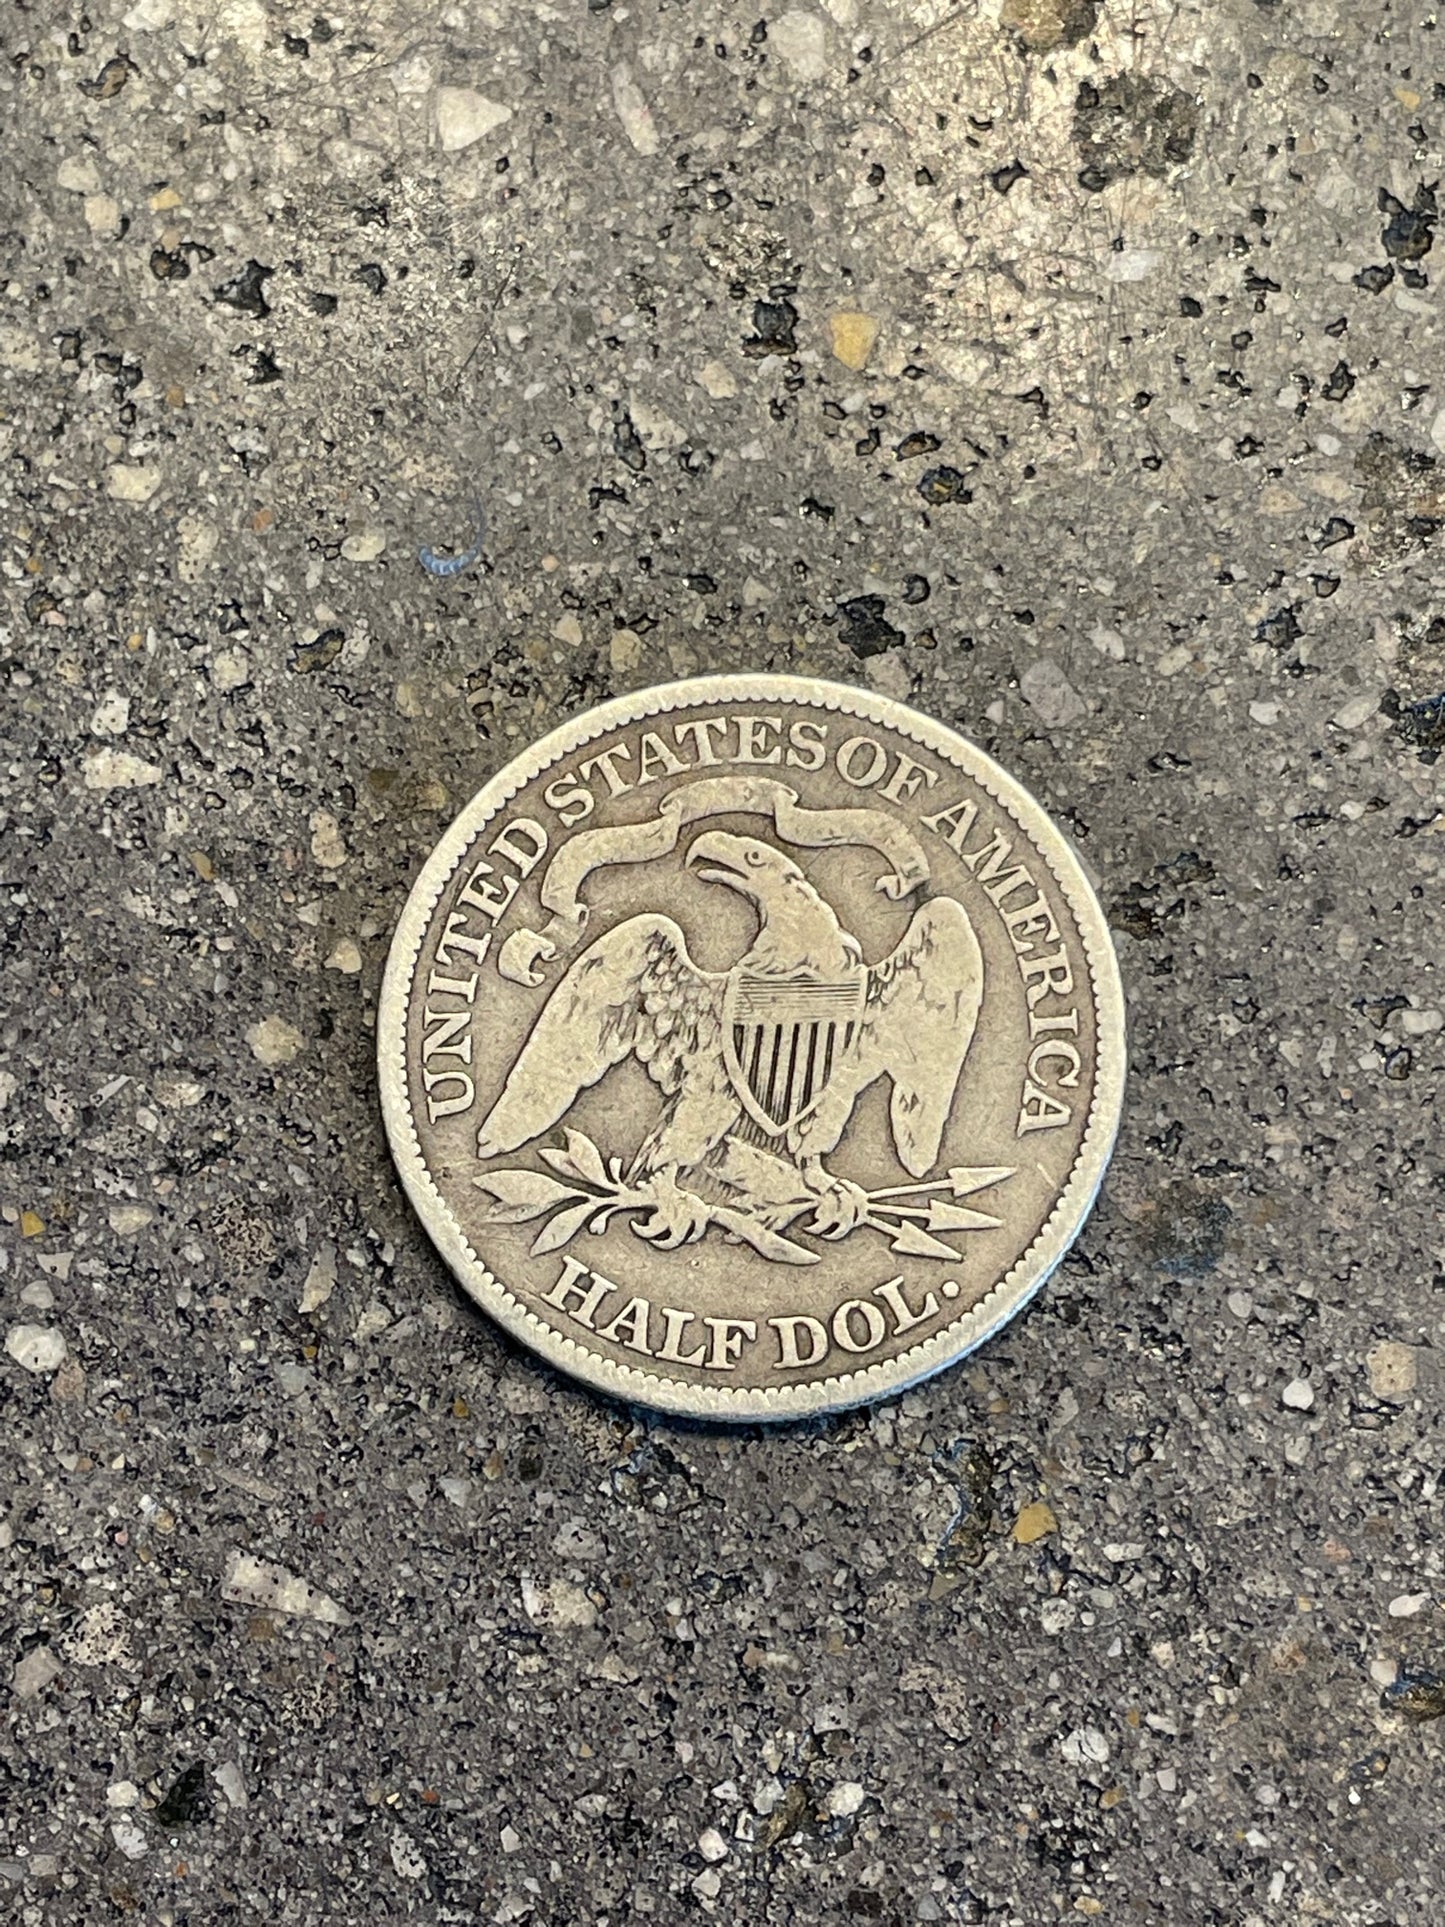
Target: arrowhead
965	1181
914	1242
943	1216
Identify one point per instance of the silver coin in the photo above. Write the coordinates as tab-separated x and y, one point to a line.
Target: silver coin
752	1046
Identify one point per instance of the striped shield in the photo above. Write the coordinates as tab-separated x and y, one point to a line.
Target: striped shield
782	1040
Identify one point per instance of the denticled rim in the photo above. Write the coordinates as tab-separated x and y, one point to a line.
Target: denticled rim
751	1403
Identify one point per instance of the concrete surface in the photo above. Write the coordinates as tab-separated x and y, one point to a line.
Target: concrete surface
1072	369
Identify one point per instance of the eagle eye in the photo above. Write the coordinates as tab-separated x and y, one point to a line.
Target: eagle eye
753	858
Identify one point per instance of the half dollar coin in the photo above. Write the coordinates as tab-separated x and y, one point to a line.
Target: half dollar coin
751	1047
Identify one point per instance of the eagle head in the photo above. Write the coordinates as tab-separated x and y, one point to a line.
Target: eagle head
744	864
798	933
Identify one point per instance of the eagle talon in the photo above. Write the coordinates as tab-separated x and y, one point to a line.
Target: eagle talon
677	1217
841	1206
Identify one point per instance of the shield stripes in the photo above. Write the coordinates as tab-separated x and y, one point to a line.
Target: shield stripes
781	1041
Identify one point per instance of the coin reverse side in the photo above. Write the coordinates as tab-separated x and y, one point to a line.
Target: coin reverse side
752	1046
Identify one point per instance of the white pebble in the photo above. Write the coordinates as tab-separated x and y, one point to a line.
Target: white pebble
1298	1395
633	111
1050	694
711	1845
845	1799
129	1838
327	844
117	769
36	1348
132	481
34	1673
465	116
1407	1604
1085	1746
111	717
1421	1023
249	1581
1357	711
1133	264
320	1279
78	175
801	39
228	1778
406	1856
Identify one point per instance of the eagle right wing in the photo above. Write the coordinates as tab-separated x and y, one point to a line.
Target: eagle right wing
634	992
922	1010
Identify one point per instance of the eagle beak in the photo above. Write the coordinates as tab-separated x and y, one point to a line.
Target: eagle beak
717	858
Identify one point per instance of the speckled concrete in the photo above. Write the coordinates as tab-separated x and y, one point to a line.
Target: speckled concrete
322	1606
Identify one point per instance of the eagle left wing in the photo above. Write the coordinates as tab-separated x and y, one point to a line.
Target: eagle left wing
633	992
918	1021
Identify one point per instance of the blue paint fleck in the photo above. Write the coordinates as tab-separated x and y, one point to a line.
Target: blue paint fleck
446	566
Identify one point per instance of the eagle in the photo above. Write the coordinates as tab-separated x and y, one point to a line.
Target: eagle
759	1066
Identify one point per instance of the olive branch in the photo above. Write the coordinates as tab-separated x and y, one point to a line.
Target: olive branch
589	1192
522	1194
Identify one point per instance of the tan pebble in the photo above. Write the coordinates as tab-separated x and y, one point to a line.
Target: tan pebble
165	200
853	337
365	546
1035	1522
68	1385
320	1279
326	842
625	649
230	669
1393	1369
1040	24
346	957
79	175
719	380
32	1225
127	1219
569	630
273	1041
102	214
